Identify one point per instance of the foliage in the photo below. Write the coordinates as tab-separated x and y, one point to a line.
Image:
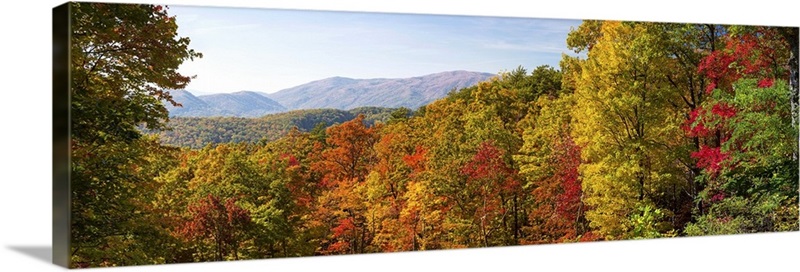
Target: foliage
625	125
122	58
653	130
549	161
222	221
646	223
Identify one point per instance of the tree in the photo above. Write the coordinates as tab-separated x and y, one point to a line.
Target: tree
386	188
351	153
491	181
687	45
752	176
543	80
344	166
625	126
749	138
549	161
122	59
221	221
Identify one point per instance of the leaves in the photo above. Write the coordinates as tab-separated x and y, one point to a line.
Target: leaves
658	130
224	222
625	124
122	58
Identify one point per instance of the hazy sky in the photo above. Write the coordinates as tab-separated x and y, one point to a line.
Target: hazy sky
270	50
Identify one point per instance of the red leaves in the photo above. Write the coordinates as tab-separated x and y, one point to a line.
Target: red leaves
710	158
719	196
716	66
745	55
339	247
487	163
291	160
567	161
695	125
345	225
344	235
723	110
490	183
558	197
766	83
222	222
488	166
749	55
211	217
417	160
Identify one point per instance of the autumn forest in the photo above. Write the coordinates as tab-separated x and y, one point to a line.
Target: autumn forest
652	130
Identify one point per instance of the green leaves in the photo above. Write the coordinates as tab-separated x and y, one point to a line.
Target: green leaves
756	213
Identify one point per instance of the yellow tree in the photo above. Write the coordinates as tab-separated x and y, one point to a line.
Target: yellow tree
386	187
624	126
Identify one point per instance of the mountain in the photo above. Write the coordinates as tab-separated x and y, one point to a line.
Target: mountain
190	105
243	104
240	104
332	93
347	93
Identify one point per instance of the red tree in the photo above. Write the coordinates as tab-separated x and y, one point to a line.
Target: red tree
558	215
494	184
751	55
224	223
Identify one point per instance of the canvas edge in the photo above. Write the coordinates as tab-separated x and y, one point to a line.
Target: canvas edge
61	136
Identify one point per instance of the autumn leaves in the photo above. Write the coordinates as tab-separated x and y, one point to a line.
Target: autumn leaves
659	130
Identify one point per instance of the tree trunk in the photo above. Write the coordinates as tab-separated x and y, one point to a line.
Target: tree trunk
791	36
516	222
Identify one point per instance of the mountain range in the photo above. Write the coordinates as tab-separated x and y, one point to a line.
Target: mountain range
239	104
331	93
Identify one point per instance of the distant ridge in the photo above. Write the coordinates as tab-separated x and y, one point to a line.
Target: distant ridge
191	105
331	93
238	104
347	93
243	104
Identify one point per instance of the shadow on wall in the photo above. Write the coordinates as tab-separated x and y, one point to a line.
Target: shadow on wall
42	253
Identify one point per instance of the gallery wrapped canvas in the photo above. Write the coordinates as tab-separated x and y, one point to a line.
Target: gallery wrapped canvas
192	134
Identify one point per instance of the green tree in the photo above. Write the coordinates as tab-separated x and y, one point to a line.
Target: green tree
123	57
752	177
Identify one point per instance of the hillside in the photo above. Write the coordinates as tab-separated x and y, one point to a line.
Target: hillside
196	132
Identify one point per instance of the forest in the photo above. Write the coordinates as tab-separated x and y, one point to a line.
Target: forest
197	132
654	130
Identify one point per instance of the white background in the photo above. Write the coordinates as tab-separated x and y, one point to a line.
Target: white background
25	148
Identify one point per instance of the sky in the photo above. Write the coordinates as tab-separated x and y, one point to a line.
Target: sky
268	50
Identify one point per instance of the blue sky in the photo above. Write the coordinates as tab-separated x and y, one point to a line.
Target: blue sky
269	50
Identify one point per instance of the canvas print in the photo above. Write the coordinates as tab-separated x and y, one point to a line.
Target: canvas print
214	134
